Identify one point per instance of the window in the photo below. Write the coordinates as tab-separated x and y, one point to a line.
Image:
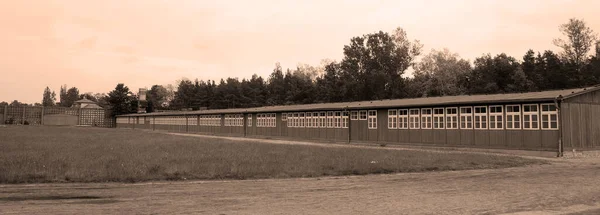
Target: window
259	120
229	120
466	118
403	119
322	118
295	120
354	115
317	119
530	117
338	119
451	118
480	118
513	117
284	117
292	120
345	119
438	118
413	119
426	118
362	115
249	122
302	119
549	117
215	120
266	120
392	119
273	120
330	119
309	120
372	119
496	119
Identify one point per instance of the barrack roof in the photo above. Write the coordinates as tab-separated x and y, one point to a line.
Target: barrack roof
395	103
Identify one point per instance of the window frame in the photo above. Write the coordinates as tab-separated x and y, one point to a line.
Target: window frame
549	113
482	116
530	114
345	119
302	120
323	119
372	119
414	120
249	120
496	116
337	119
392	116
330	118
295	119
452	118
438	120
427	118
362	113
403	119
354	115
512	114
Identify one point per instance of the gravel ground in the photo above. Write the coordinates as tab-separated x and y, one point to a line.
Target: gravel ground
563	187
568	185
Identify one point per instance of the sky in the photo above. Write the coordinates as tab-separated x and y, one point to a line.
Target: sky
94	45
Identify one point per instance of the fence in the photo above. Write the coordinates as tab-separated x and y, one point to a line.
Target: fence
55	116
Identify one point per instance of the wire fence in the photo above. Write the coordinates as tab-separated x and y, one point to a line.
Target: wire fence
27	115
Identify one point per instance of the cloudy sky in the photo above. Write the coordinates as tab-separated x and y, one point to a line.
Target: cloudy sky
93	45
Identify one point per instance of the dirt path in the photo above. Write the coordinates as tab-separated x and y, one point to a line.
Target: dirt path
562	187
521	153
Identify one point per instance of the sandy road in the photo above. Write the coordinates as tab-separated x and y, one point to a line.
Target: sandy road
562	187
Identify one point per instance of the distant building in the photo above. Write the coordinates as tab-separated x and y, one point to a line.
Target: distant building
86	103
142	103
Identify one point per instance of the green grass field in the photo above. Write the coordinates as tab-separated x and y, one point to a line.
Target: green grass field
31	154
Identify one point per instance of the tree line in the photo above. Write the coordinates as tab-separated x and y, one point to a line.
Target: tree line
374	67
67	97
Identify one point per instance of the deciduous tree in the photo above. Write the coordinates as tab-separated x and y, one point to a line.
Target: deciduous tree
576	46
49	98
440	73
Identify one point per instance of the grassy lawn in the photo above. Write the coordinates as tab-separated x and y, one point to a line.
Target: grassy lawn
31	154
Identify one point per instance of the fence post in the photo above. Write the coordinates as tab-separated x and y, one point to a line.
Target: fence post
186	123
42	116
245	118
23	119
5	113
78	116
349	125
